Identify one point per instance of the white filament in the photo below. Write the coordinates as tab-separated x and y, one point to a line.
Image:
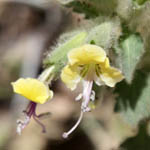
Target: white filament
66	134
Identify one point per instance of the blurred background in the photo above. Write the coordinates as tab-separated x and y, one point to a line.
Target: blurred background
27	30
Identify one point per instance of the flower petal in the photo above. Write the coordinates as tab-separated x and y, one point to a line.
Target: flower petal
70	77
86	54
32	89
110	75
99	81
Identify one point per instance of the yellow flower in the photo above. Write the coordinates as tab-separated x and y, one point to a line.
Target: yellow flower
88	63
37	92
33	90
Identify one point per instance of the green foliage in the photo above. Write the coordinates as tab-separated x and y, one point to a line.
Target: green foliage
140	2
105	34
140	141
93	8
90	11
133	100
140	21
124	9
58	57
131	50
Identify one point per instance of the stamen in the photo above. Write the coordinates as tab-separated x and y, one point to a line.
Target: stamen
22	124
41	124
28	107
84	70
26	111
97	70
92	97
43	115
66	134
29	112
86	95
79	97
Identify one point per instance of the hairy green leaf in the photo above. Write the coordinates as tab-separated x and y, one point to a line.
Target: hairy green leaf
58	57
104	34
131	50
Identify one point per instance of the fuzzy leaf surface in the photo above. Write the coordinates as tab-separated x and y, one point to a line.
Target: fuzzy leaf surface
131	51
104	34
58	57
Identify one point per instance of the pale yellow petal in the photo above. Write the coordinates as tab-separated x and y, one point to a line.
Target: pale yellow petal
98	81
106	63
70	77
86	54
110	75
32	89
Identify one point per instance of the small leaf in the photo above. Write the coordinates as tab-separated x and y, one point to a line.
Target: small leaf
131	51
